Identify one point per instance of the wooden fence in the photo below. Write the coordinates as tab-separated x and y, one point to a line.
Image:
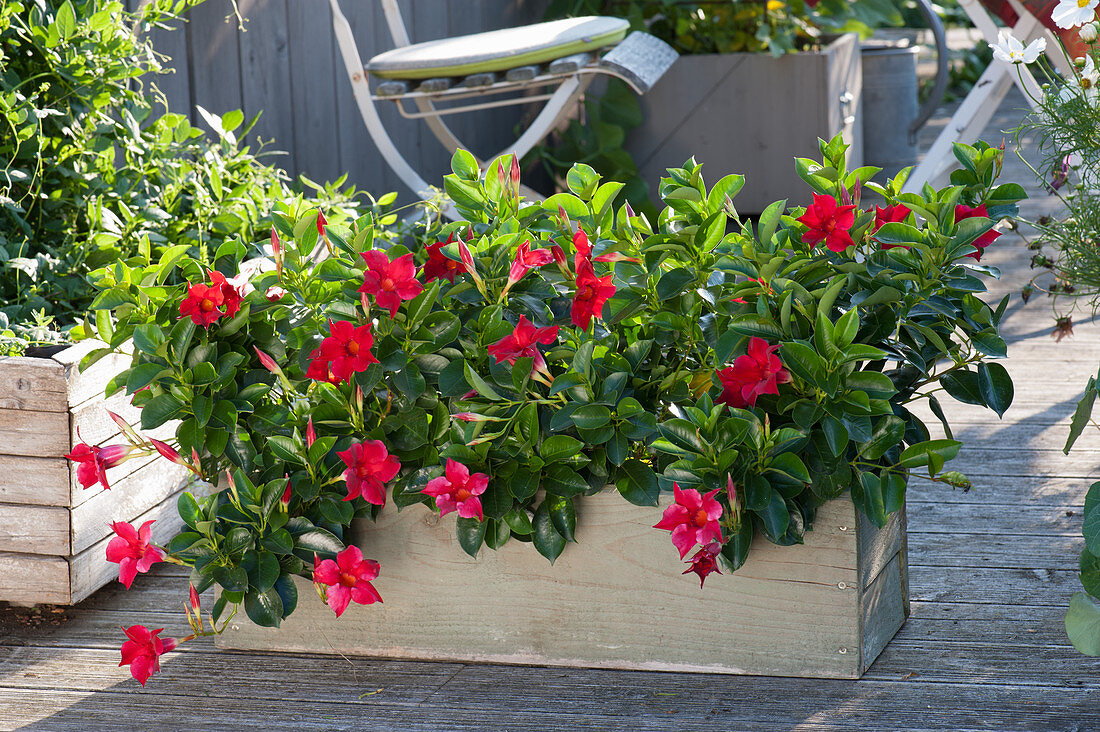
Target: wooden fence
285	64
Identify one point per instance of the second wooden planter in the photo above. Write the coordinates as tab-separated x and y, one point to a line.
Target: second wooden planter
615	600
54	532
752	114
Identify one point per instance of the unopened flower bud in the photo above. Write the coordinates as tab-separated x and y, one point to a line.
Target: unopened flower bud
194	597
267	361
311	434
284	501
1088	32
322	222
274	293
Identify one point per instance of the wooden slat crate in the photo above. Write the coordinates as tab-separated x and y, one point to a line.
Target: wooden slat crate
53	533
615	600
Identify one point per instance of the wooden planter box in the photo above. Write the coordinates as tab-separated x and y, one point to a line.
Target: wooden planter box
752	114
615	600
53	533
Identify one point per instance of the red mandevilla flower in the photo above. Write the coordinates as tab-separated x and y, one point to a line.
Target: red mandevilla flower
523	344
527	259
345	352
891	214
439	266
143	650
592	293
390	282
231	292
131	550
965	212
204	304
370	467
93	462
458	490
827	221
703	564
758	372
692	519
348	579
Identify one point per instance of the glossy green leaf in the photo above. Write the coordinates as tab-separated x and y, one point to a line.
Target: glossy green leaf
548	542
995	386
264	608
638	483
1083	624
471	534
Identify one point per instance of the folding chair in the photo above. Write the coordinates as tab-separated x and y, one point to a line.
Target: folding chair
550	62
981	103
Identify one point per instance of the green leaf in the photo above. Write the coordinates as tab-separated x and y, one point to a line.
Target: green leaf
836	436
519	522
790	465
189	510
736	549
471	534
683	434
963	386
873	500
159	410
638	483
563	515
264	608
1091	526
288	593
148	338
672	283
888	432
563	481
591	416
805	363
66	20
480	385
559	447
1083	624
548	542
464	165
775	516
995	386
1081	415
1090	572
318	541
926	453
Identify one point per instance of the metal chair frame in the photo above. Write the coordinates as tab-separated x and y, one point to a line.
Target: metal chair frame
567	90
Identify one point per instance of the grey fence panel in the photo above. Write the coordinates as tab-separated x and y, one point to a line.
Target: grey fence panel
285	64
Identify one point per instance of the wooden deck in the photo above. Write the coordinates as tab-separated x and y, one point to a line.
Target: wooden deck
991	572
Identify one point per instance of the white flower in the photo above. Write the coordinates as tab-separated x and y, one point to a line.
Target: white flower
1012	51
1084	84
1088	32
1072	13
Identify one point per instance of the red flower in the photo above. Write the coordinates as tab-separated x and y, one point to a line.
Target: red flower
93	462
458	491
231	293
592	293
758	372
523	343
584	249
703	562
965	212
143	651
692	519
390	281
370	466
204	304
322	222
274	293
439	266
131	551
348	579
527	259
891	214
827	221
345	352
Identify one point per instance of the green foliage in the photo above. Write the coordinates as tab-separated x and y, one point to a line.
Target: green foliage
91	176
632	399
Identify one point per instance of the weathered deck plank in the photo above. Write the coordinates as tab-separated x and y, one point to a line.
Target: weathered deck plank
991	572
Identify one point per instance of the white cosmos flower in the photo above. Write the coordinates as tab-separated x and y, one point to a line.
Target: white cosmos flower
1072	13
1085	84
1088	32
1012	51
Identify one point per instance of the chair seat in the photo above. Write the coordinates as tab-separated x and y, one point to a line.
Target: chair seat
499	50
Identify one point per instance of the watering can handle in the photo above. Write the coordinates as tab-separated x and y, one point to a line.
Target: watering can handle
939	88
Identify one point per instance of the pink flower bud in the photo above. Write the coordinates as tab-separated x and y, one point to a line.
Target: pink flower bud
564	218
276	246
515	172
629	210
284	501
469	417
731	492
167	451
194	597
559	255
311	434
122	424
274	293
322	222
267	361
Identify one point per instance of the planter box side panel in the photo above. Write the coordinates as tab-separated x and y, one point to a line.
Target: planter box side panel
616	600
749	114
